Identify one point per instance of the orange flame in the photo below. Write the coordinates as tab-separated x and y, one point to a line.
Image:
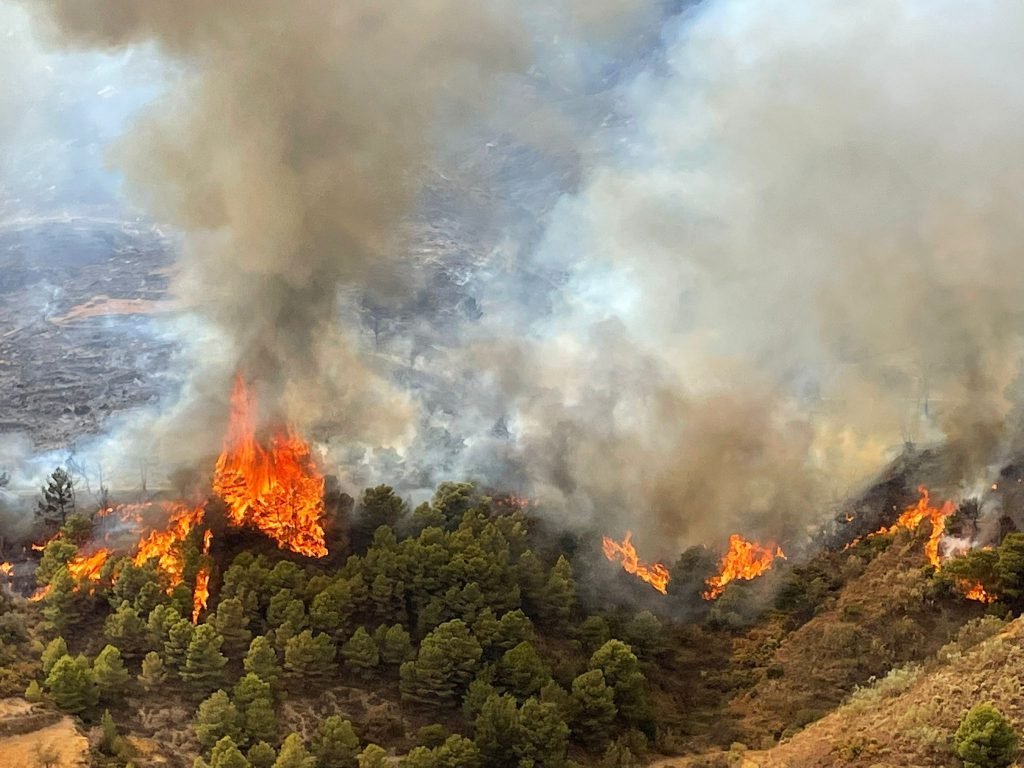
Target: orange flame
745	560
40	594
88	567
656	575
201	594
163	544
976	592
7	569
916	514
276	490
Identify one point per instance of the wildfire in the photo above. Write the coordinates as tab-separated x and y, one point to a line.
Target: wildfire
7	569
976	592
162	545
656	575
277	489
745	560
916	514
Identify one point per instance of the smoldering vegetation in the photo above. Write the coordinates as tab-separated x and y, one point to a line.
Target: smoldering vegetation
717	264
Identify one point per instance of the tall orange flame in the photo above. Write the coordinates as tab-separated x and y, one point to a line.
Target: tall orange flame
916	514
277	489
201	594
656	575
88	567
744	560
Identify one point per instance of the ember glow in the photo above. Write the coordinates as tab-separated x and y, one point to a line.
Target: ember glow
916	514
275	489
656	575
745	560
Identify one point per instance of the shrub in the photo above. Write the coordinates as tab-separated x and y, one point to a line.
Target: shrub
985	739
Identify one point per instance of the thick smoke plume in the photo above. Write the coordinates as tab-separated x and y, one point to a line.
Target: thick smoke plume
288	151
790	247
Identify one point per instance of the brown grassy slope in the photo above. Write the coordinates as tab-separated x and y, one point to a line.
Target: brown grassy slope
886	614
907	719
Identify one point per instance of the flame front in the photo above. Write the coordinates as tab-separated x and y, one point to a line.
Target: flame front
916	514
745	560
656	575
276	490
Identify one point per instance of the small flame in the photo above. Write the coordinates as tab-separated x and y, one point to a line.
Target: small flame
916	514
7	569
276	490
40	594
745	560
656	575
976	592
201	594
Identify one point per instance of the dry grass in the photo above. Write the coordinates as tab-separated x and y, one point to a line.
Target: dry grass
59	745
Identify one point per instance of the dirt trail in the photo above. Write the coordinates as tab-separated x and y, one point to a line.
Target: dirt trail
32	732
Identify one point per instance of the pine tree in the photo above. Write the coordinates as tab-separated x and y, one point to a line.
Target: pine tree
61	604
54	651
379	506
110	742
261	755
331	610
373	756
294	754
262	661
159	624
530	575
360	653
232	623
458	751
252	698
479	691
521	672
125	629
153	674
309	656
513	628
396	645
204	663
498	732
623	675
447	661
592	704
56	555
179	638
216	718
110	674
226	754
544	735
72	685
57	498
260	721
335	744
559	595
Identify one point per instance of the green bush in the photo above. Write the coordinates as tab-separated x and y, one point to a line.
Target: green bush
985	739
